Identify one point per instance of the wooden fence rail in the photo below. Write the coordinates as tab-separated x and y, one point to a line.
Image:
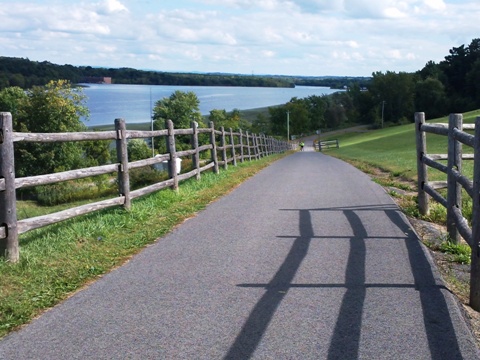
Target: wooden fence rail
234	146
327	144
457	224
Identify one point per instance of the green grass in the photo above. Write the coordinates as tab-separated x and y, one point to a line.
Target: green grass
460	253
393	149
59	259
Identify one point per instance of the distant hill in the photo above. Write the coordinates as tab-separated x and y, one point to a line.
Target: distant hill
26	73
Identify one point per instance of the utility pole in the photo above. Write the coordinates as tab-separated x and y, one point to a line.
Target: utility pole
288	126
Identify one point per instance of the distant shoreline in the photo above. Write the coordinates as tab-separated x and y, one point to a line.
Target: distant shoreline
247	114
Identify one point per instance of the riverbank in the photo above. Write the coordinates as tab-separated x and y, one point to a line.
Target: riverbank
249	114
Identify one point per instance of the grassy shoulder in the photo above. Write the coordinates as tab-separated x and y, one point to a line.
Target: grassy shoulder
389	157
57	260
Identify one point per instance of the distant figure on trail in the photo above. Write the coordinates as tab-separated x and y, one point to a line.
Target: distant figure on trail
302	144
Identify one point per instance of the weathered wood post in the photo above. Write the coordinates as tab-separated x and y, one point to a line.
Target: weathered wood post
196	156
232	142
242	153
256	147
8	202
248	146
214	147
454	189
422	179
171	149
223	144
475	258
122	159
261	152
263	144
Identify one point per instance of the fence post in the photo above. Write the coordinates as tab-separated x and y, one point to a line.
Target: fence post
248	147
423	199
122	159
257	148
241	146
454	189
223	144
214	147
196	156
232	142
8	201
171	149
475	258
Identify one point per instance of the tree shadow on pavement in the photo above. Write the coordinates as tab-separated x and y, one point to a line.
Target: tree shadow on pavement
345	341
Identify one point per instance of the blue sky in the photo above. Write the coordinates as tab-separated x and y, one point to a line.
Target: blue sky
289	37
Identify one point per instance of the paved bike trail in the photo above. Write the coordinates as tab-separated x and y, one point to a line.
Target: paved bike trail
309	259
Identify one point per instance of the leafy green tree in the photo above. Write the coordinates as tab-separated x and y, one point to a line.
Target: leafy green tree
228	120
138	150
181	107
316	112
261	125
362	105
220	118
430	97
298	118
397	92
473	84
12	99
57	107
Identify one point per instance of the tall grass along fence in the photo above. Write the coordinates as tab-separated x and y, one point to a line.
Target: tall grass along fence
232	147
457	224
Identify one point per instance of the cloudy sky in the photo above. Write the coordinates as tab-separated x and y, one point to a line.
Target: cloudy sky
290	37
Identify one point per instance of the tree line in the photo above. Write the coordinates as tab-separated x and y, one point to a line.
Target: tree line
452	85
388	98
25	74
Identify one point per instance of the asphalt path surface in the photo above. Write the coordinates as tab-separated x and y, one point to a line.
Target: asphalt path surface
309	259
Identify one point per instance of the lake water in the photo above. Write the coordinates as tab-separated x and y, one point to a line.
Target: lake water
134	102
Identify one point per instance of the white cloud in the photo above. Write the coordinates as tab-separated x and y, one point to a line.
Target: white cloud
345	37
108	7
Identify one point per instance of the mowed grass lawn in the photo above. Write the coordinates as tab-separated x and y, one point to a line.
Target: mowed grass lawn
394	149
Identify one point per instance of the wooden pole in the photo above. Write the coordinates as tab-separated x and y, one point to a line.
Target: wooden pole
475	258
214	148
422	171
122	159
454	189
255	146
196	156
171	148
248	147
242	153
232	142
223	144
8	202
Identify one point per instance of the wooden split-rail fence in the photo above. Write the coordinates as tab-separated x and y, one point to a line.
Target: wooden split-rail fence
457	225
232	146
327	144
